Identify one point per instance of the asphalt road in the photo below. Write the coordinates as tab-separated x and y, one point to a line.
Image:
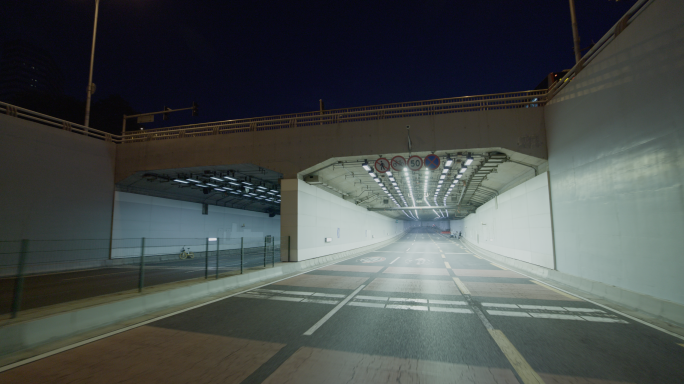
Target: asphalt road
421	310
57	288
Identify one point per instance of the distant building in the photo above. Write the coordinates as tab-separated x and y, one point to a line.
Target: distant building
550	79
25	68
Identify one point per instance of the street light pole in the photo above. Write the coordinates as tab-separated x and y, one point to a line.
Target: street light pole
575	33
91	86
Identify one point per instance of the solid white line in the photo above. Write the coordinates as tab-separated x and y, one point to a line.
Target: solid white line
332	312
395	260
601	305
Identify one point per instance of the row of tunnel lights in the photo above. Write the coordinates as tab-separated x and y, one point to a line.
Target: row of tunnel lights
447	167
238	186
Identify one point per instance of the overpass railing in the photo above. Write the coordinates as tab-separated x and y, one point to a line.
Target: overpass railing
27	114
497	101
618	28
524	99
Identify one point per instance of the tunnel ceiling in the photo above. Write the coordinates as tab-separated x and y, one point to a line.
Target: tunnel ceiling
492	171
241	186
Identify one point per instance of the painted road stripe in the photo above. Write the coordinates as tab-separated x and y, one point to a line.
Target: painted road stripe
499	305
362	304
461	286
541	307
446	264
583	309
477	256
422	301
555	316
335	295
443	257
376	298
498	266
452	310
508	313
603	319
411	307
286	298
332	312
395	260
408	249
447	302
526	373
316	301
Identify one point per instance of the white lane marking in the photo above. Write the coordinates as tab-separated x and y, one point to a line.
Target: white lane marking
317	301
555	316
408	249
447	302
452	310
361	304
298	293
461	286
542	307
508	313
269	290
499	305
603	319
335	295
285	298
604	307
583	310
377	298
422	301
411	307
332	312
395	260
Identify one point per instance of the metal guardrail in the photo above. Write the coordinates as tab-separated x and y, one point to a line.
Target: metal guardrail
618	28
375	112
27	114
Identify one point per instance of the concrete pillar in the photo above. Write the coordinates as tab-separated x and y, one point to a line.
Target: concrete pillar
288	218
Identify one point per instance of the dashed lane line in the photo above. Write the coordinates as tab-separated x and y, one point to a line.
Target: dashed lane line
461	286
446	264
395	260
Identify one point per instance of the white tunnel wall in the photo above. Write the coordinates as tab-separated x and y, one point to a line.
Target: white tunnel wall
516	224
616	160
310	215
137	216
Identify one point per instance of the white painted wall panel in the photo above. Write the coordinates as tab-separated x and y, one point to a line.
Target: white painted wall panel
137	216
517	224
616	160
320	214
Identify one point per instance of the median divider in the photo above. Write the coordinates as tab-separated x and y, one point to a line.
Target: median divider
18	336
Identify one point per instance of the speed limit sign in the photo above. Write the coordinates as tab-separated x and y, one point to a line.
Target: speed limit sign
415	163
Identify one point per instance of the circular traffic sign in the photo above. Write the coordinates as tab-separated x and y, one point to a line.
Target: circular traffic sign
382	165
398	163
415	163
432	162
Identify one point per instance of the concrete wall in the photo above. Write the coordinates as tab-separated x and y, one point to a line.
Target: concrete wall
55	185
292	150
616	160
310	215
163	221
516	224
456	226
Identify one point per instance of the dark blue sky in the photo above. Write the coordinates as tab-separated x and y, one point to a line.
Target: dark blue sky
255	58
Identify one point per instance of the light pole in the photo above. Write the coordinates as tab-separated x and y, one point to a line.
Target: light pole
91	86
575	33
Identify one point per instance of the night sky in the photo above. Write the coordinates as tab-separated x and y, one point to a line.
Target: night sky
257	58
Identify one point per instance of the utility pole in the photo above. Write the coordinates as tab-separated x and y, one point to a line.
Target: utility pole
91	86
575	33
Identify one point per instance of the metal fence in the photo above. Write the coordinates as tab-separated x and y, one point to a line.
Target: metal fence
39	273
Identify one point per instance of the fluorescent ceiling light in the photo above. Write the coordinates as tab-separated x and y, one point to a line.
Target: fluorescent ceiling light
389	173
201	185
442	177
366	167
230	178
463	170
238	184
448	162
219	189
246	183
236	193
377	180
193	180
372	175
260	187
212	185
392	179
216	178
180	181
459	175
270	193
469	160
446	170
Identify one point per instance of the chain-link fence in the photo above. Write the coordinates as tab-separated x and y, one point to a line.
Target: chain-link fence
39	273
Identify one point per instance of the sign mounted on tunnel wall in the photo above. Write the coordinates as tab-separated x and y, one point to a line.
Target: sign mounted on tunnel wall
415	163
382	165
398	163
432	162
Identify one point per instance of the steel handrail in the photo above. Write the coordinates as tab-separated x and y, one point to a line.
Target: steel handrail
382	111
28	114
619	27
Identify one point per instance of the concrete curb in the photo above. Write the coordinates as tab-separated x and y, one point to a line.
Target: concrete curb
20	336
665	310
